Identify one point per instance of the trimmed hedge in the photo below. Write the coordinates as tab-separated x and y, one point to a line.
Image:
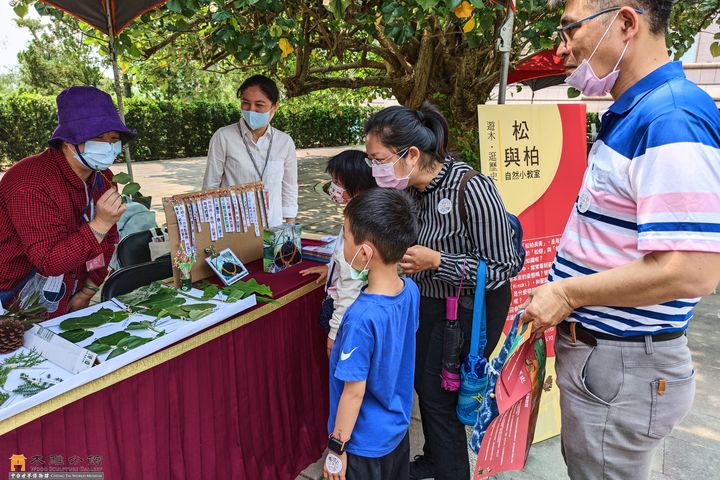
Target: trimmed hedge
169	129
26	124
176	129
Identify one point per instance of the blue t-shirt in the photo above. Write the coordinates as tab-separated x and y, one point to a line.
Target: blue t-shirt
376	343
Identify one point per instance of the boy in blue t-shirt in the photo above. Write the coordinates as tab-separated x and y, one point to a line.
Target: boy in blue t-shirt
373	358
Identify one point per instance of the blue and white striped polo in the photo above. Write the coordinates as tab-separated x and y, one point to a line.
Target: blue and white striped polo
652	184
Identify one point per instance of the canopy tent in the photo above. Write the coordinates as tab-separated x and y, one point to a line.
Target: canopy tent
543	65
110	17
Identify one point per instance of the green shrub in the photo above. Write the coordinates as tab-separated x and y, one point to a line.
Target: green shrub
174	129
26	124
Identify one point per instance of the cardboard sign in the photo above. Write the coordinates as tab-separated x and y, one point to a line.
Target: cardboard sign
216	228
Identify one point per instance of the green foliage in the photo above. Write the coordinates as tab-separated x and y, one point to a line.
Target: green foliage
412	49
592	118
687	19
32	386
26	124
95	319
174	129
237	291
57	57
76	335
573	92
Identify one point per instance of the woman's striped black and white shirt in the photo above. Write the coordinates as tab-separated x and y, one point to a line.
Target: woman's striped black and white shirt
488	236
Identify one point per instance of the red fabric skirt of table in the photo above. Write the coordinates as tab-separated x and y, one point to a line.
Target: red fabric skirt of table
251	404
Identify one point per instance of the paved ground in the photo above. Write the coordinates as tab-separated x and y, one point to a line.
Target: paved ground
691	452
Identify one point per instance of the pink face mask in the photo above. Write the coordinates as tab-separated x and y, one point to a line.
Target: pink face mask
585	79
385	177
337	194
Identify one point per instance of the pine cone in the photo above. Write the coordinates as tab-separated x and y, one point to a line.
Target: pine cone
11	335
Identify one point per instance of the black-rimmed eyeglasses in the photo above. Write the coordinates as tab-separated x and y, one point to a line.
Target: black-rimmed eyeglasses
562	31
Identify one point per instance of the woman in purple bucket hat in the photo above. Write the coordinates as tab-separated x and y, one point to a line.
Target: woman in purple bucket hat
58	233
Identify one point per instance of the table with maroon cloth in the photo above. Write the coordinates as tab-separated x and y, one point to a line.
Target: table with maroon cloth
245	399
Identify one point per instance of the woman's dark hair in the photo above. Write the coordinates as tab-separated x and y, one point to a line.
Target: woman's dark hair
349	167
401	127
268	87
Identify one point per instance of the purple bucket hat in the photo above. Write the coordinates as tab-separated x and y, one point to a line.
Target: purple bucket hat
85	113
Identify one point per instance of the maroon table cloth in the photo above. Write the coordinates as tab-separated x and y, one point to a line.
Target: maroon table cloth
251	404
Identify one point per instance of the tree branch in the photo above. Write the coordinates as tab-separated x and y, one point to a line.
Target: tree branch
312	84
347	66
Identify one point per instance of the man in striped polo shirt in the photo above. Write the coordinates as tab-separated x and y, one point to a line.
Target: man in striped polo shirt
641	245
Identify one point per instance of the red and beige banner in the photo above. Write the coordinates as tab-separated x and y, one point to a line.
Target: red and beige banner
536	154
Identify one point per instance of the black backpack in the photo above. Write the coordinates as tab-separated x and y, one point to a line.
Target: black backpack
515	225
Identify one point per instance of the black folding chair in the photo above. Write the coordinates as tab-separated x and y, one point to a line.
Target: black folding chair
129	278
134	248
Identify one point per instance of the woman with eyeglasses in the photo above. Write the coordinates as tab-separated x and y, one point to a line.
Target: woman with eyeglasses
406	148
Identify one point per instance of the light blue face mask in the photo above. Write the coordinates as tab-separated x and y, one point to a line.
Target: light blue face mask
98	155
360	275
256	120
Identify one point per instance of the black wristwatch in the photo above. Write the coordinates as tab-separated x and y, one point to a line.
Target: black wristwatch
335	445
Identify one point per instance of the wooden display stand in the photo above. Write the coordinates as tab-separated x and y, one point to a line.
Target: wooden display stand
247	245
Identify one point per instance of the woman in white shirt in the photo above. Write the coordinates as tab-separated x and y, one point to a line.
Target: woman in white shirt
251	150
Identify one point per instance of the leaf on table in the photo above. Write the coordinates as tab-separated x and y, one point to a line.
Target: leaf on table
267	300
144	325
132	341
95	319
241	289
116	352
112	339
120	316
198	314
138	296
98	348
235	295
167	302
76	335
210	292
198	306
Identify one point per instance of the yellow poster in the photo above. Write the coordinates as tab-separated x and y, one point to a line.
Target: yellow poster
536	155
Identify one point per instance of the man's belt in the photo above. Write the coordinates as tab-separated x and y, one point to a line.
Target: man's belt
577	331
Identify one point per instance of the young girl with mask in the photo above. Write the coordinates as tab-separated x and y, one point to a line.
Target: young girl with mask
407	148
251	151
350	177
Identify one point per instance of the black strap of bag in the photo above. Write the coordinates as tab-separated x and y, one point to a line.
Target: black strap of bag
461	195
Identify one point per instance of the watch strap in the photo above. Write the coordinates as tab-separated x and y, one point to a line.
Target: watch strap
335	445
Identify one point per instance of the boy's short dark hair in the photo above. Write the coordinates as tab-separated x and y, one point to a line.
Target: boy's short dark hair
385	217
350	168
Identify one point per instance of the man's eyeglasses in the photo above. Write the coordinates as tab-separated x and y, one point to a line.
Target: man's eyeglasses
562	31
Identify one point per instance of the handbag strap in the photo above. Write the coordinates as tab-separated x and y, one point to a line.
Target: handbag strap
478	341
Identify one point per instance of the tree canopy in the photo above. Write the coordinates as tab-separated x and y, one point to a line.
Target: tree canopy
413	49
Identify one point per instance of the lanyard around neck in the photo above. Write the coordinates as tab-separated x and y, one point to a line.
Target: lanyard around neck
88	212
252	157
